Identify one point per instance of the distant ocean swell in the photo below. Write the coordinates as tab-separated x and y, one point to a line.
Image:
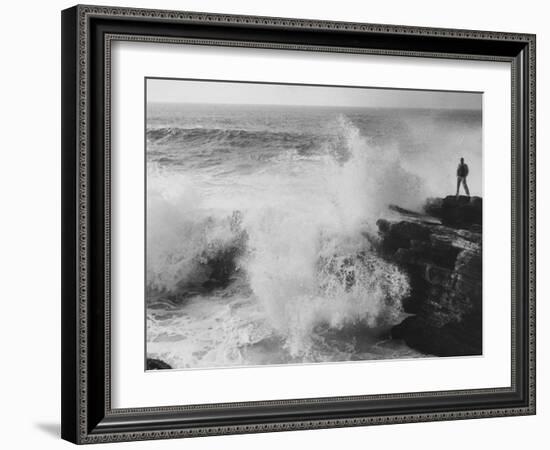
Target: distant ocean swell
259	245
213	146
230	137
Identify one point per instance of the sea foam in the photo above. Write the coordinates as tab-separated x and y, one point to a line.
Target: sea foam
307	261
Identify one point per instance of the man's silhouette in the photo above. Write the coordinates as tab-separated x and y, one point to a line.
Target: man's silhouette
461	174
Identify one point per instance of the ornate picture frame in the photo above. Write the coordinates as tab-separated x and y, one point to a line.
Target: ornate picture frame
88	33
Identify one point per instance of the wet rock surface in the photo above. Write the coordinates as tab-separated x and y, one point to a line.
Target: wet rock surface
157	364
460	212
441	253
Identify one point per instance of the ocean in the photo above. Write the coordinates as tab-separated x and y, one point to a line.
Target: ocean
261	221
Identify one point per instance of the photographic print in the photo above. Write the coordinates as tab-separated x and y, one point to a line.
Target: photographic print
297	224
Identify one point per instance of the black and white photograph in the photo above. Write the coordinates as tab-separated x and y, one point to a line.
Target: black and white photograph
275	225
298	224
274	220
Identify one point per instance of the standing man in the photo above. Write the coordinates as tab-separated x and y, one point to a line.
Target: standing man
461	174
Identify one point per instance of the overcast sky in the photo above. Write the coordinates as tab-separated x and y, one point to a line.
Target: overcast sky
184	91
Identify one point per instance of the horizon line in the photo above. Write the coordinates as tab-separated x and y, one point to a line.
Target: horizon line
164	102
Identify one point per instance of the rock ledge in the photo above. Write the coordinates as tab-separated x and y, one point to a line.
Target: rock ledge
441	253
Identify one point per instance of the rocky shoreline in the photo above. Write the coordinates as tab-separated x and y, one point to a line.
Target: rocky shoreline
439	250
441	253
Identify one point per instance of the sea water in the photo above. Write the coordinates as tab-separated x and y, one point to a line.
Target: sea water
289	197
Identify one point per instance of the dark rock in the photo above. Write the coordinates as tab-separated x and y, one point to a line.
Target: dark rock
461	212
157	364
459	339
443	262
414	215
402	235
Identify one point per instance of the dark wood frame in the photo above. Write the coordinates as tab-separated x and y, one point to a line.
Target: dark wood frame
87	32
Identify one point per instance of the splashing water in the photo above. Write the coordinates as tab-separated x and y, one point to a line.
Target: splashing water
310	264
280	224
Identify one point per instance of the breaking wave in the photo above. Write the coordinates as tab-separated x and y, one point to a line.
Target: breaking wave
287	242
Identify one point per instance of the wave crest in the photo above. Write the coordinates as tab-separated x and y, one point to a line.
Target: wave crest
298	237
